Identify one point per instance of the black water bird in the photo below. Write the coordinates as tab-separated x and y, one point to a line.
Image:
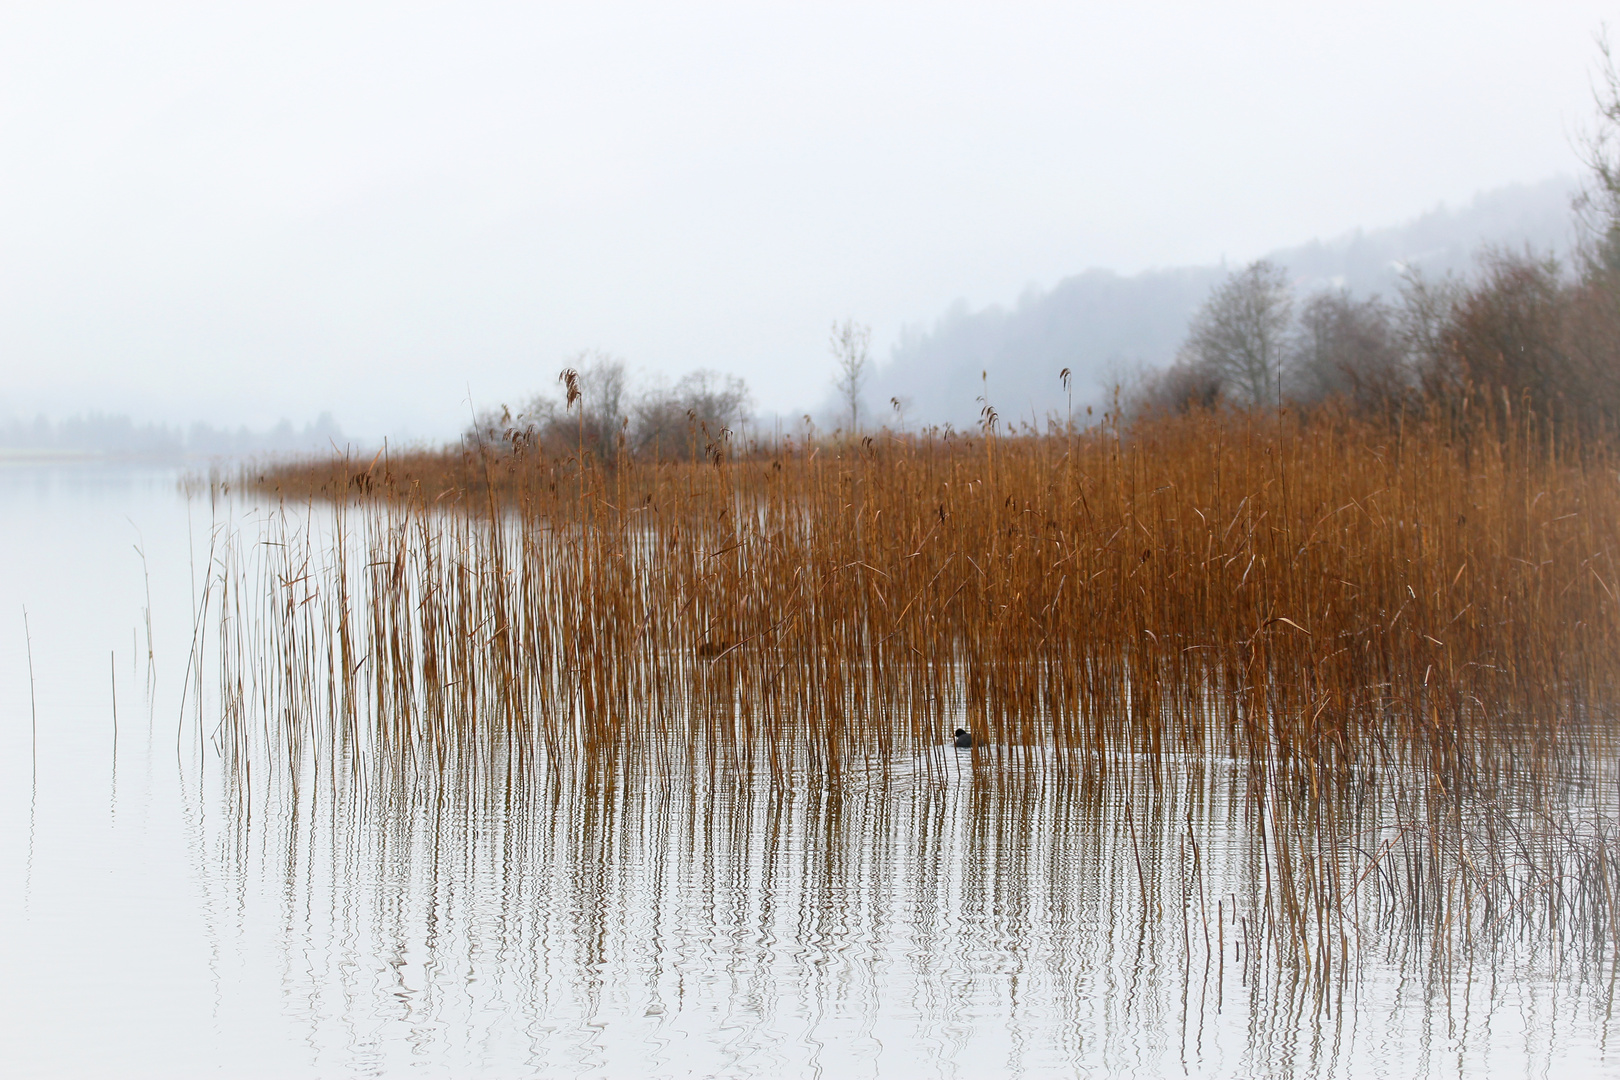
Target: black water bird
964	740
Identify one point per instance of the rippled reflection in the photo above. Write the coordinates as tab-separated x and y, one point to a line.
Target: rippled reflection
491	911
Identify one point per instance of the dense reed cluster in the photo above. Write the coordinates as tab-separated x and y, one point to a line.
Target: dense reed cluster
1401	634
1303	579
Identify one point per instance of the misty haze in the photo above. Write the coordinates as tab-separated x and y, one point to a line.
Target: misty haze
725	540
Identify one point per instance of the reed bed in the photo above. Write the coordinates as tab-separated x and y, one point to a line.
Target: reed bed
1401	635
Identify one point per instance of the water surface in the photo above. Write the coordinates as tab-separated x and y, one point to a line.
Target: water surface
501	914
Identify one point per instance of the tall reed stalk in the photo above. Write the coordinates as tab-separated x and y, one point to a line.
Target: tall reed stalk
1402	633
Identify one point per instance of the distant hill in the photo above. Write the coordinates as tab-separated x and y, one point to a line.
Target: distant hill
1104	326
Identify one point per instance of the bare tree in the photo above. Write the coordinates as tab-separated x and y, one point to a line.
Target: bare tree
1597	208
593	391
1346	347
1240	333
718	402
1507	331
851	344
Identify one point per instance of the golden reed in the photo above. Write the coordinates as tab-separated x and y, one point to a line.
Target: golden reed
1294	584
1401	634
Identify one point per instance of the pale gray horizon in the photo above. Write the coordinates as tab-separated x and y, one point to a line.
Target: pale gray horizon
398	212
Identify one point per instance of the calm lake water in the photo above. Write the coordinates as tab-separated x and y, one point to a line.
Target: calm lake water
490	918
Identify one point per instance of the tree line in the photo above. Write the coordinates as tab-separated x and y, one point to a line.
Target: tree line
1522	323
119	436
1528	325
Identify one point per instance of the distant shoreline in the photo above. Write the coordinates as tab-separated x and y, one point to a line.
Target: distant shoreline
13	456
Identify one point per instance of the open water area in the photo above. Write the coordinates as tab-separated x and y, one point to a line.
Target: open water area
168	913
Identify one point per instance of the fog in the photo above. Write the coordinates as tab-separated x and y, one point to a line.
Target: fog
1109	329
404	213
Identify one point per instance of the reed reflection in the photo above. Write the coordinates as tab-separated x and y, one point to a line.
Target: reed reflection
498	903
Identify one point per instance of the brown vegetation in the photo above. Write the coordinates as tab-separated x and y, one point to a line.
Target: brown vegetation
1319	569
1400	631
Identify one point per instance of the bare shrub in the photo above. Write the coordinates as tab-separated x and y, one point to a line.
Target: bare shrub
1181	388
601	415
701	413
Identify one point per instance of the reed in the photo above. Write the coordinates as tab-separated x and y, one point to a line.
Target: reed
1400	633
1307	577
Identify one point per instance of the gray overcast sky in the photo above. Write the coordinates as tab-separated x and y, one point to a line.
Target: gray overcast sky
242	212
